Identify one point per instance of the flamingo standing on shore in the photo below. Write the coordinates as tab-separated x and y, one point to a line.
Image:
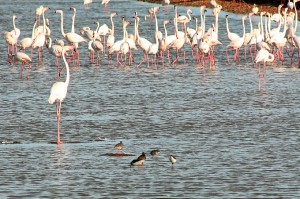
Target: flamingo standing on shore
57	94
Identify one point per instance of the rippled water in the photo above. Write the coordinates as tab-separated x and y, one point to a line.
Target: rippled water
231	138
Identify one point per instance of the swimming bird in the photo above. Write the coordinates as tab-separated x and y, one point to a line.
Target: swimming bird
155	152
139	161
172	159
57	94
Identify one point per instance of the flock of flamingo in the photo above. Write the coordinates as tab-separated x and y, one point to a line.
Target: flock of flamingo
266	43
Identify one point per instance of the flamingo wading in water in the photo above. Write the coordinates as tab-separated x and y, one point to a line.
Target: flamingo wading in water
57	94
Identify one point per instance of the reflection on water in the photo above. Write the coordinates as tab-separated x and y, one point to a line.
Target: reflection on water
230	138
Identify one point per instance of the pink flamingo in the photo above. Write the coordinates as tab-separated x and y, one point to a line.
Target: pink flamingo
57	94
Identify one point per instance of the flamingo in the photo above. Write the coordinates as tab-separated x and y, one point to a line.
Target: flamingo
111	37
89	34
276	17
55	50
166	3
40	29
86	3
12	38
124	47
254	9
40	39
24	59
185	19
213	3
97	45
57	94
115	48
105	2
178	43
71	37
237	43
163	45
153	48
39	11
143	43
231	36
27	42
262	56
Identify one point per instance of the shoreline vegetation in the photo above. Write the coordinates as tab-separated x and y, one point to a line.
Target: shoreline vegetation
234	6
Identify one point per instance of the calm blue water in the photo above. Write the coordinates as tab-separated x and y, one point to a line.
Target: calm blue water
231	138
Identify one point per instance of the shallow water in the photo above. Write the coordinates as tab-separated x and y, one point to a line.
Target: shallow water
231	137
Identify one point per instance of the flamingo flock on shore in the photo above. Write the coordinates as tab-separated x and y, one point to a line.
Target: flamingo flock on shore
264	43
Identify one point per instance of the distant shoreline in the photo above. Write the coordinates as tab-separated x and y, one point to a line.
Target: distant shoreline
229	6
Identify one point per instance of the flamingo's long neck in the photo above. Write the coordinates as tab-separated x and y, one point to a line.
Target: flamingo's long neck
217	25
166	32
227	26
251	27
33	31
44	22
50	43
96	31
124	30
203	24
73	21
137	28
67	67
156	29
284	24
262	25
189	16
62	24
296	18
112	26
14	24
244	32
